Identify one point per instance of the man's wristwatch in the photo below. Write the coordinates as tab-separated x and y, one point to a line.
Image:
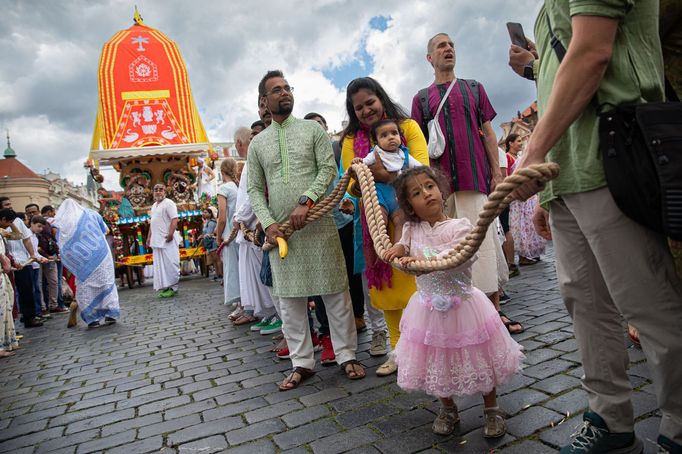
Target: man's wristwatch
305	200
528	72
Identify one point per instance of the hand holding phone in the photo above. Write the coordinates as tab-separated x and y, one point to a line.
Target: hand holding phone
516	34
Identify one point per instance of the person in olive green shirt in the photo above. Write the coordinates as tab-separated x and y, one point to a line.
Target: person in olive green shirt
607	264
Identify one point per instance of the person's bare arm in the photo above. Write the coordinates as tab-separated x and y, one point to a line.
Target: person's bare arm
29	247
210	173
490	142
222	216
15	234
171	229
576	82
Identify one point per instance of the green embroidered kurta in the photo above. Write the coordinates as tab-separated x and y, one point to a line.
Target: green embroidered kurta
289	160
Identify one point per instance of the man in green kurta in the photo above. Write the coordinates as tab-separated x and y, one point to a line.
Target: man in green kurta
291	164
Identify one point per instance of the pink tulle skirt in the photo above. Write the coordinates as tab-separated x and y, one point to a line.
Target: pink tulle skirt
464	350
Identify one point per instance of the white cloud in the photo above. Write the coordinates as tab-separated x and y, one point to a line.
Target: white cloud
48	74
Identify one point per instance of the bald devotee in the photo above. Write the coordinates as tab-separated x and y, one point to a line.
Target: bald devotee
292	159
164	242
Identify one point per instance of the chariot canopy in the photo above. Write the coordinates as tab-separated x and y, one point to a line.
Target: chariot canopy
145	97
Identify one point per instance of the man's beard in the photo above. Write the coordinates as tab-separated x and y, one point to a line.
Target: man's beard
284	110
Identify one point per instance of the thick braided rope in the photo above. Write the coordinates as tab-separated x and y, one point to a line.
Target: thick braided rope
323	207
497	201
466	248
233	235
249	234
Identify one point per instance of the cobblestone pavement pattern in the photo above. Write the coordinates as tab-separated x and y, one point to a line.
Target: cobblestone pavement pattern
175	376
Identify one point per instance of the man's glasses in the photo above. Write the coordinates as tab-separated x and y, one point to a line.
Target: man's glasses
279	90
159	190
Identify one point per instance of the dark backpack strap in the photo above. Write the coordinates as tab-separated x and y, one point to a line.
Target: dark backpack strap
559	48
426	111
475	88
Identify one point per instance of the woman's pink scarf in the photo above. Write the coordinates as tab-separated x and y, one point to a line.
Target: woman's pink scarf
377	271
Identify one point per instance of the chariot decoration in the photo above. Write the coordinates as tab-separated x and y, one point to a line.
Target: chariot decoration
148	129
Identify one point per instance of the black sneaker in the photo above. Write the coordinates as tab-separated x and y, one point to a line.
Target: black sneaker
109	321
94	325
594	438
667	446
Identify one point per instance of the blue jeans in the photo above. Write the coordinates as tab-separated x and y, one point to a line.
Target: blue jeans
37	294
60	296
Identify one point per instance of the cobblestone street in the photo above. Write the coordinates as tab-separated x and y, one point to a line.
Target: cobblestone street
176	376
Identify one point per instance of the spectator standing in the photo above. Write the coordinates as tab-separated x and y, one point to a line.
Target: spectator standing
470	159
607	264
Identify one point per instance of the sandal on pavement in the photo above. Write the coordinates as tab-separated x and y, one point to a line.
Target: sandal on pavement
524	261
509	323
235	314
355	372
388	368
445	422
494	426
291	382
245	319
281	345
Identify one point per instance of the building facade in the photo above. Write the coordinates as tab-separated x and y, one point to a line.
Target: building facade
23	186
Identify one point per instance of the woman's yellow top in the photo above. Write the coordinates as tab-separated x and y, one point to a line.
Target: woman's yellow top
403	285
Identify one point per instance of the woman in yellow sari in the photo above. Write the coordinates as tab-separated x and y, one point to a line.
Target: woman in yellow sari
366	103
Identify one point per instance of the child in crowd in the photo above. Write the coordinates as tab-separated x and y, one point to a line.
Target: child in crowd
395	157
208	240
36	227
452	340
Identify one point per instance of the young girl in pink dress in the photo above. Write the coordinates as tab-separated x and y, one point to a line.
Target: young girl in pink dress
452	340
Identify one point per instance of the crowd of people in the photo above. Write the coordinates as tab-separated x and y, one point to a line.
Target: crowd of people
31	267
447	334
36	284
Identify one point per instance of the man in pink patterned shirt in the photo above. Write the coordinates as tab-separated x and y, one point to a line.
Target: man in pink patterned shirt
470	160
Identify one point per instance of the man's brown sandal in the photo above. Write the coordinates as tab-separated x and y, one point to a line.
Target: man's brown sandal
356	375
303	374
509	323
244	319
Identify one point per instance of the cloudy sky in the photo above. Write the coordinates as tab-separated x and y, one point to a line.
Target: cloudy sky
48	73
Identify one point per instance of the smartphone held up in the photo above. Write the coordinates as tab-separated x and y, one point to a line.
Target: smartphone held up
516	34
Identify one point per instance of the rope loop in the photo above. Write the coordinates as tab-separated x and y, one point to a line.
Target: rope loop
497	201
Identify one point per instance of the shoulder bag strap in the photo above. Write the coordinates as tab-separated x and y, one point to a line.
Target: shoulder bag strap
559	48
442	101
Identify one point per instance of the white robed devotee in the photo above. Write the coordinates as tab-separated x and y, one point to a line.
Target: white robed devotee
254	295
164	241
85	252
